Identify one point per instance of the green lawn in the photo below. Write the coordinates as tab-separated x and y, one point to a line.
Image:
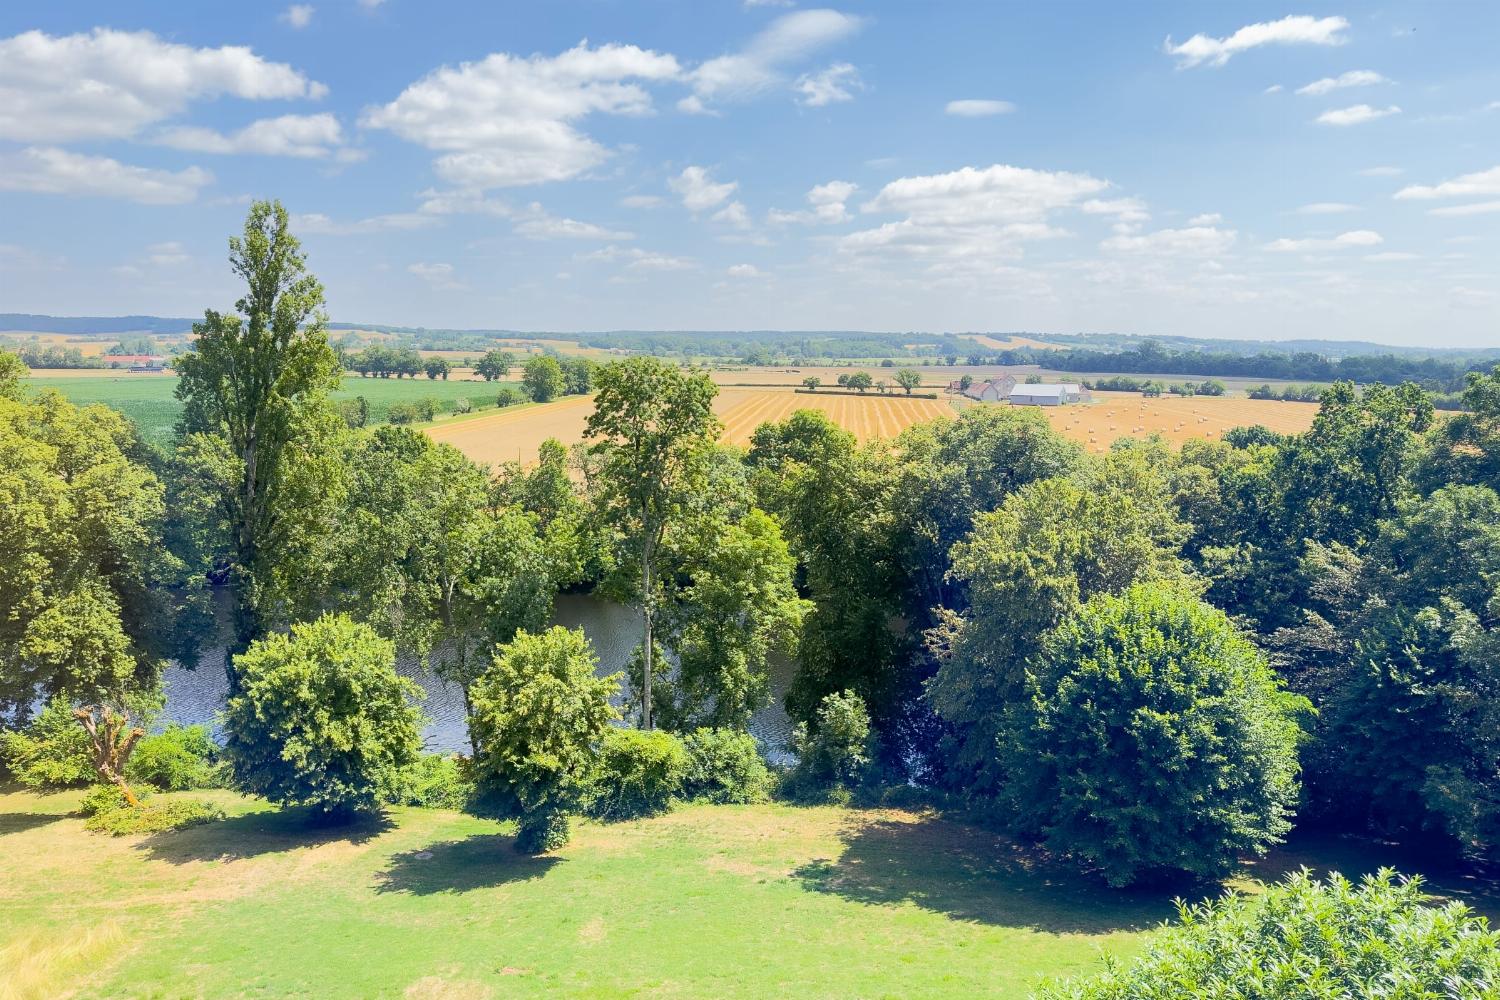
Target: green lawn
710	901
148	399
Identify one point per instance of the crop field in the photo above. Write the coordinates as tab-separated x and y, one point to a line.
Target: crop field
868	417
1176	418
515	434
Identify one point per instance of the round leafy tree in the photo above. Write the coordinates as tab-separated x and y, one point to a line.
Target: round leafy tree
1310	940
1154	740
538	716
544	379
322	718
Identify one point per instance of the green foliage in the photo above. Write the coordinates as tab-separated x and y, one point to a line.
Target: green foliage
578	376
51	752
153	816
177	759
434	781
104	798
460	405
908	379
495	364
835	755
507	396
322	718
543	379
638	773
1309	940
724	766
13	372
538	715
1153	740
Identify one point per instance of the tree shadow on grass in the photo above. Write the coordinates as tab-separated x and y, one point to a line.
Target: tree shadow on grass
21	822
481	862
971	874
258	833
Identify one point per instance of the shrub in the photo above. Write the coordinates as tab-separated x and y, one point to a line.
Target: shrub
1153	740
543	379
153	817
1309	939
427	407
461	405
102	798
402	413
638	774
835	757
507	396
322	718
724	766
538	714
50	753
434	781
176	759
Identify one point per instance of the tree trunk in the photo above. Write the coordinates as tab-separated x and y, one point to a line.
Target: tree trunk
109	751
646	649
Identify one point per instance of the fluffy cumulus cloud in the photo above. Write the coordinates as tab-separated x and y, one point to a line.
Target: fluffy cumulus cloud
1353	78
1356	115
1300	29
311	136
537	224
734	214
636	259
48	170
1206	219
110	84
1479	184
1344	241
507	121
833	85
700	192
826	205
763	64
977	108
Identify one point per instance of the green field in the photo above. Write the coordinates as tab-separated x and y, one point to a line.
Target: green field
148	399
709	901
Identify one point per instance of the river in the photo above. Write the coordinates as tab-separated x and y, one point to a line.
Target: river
197	695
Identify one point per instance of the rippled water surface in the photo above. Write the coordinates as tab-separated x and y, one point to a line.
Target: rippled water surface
196	696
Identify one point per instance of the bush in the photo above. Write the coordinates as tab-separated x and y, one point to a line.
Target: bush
538	715
507	396
461	405
835	757
176	759
153	817
1153	740
435	781
1309	939
724	766
322	718
427	407
638	774
50	753
102	798
402	413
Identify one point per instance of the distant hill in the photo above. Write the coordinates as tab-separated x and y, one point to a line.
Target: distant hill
86	326
1327	348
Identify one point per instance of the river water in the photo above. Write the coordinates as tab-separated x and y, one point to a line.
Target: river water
196	696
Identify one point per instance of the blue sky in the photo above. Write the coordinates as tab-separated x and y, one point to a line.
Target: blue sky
1210	169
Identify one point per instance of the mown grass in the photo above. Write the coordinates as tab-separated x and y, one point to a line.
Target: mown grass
148	401
709	901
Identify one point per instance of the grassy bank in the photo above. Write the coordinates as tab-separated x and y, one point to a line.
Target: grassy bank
710	901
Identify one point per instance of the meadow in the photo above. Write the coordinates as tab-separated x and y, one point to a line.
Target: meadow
806	901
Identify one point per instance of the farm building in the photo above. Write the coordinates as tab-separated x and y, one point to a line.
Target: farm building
1048	395
992	390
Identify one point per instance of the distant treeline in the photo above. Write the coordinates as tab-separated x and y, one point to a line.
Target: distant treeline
769	347
93	325
1434	374
1328	348
52	356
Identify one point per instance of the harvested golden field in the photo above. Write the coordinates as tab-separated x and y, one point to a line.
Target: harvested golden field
515	434
1010	342
868	417
1176	418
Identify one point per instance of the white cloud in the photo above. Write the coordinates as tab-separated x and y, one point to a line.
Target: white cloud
1274	88
1476	208
641	260
1194	241
538	225
1356	115
831	86
1326	208
698	191
109	84
507	121
975	108
1294	30
1344	241
438	275
319	224
1381	172
310	136
47	170
733	214
642	201
1392	256
298	15
827	205
1206	219
744	271
761	64
1353	78
1127	210
370	4
460	203
1481	182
